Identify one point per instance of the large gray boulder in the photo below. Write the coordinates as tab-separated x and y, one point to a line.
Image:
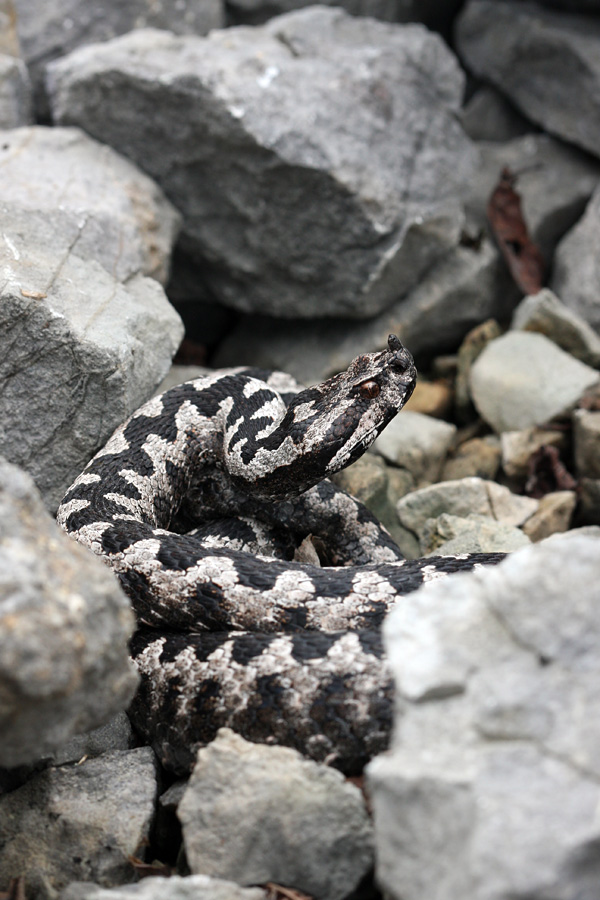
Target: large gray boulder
254	814
125	222
79	351
546	62
317	159
50	28
15	92
64	626
466	286
576	276
77	822
492	787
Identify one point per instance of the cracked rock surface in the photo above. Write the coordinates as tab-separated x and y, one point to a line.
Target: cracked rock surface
492	786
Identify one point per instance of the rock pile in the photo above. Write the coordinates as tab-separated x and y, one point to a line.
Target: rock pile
322	178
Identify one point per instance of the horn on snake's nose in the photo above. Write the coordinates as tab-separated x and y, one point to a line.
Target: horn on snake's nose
402	358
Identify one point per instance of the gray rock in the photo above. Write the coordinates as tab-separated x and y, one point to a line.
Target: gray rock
15	92
586	439
9	41
125	222
48	29
431	12
492	786
555	183
462	498
71	371
316	130
543	312
466	286
473	345
553	515
177	374
417	443
255	814
79	822
575	276
546	62
488	116
510	381
64	665
449	535
117	734
194	887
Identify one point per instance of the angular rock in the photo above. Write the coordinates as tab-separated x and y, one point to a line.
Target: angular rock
555	182
488	116
586	437
448	535
432	398
316	130
462	498
193	887
523	379
478	457
15	92
546	62
417	443
553	515
125	222
71	371
51	28
64	626
492	786
466	286
575	276
254	814
79	822
543	312
117	734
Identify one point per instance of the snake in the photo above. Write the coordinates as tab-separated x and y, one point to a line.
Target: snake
259	587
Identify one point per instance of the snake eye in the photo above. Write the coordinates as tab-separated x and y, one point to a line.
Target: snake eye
369	390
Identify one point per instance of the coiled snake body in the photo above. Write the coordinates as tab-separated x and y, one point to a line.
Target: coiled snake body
200	503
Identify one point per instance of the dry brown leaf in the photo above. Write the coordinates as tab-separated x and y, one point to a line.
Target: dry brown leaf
278	892
506	218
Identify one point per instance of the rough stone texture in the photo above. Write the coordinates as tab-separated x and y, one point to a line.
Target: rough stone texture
546	62
586	438
479	457
417	443
125	222
488	116
555	183
519	446
78	822
576	274
466	286
51	28
254	814
194	887
117	734
15	92
448	535
71	371
553	515
492	788
317	159
462	498
523	379
64	626
543	312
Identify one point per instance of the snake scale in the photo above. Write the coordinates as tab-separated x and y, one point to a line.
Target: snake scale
202	503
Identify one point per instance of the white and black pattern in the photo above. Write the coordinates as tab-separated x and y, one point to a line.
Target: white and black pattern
199	503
